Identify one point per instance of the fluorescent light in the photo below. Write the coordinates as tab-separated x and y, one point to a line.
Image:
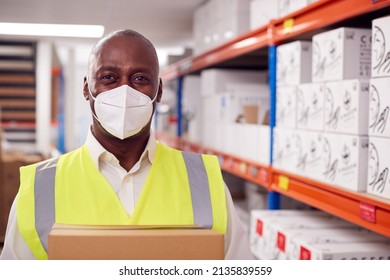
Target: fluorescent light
54	30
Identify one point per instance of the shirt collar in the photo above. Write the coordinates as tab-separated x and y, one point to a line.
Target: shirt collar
97	150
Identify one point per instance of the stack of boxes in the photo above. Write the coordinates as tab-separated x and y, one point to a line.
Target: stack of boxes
312	235
379	106
321	122
231	113
293	71
218	21
262	11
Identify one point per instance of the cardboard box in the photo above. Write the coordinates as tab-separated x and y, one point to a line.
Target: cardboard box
289	150
340	54
313	150
346	251
214	81
286	7
258	226
294	239
330	158
72	242
255	146
310	106
353	162
346	109
264	238
261	12
293	63
192	108
378	182
380	56
379	115
286	104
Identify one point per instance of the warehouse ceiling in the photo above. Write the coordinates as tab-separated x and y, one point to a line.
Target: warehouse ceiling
167	23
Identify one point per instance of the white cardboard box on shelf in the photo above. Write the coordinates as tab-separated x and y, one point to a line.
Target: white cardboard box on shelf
264	237
353	163
192	105
342	53
379	115
310	106
199	24
226	20
263	143
286	102
291	240
261	12
259	223
346	251
294	63
378	182
330	158
289	149
255	146
313	155
346	109
214	81
286	7
380	56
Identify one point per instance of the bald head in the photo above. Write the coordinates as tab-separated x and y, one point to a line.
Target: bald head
128	33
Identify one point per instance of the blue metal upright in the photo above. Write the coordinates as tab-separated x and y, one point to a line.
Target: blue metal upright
179	94
273	197
61	115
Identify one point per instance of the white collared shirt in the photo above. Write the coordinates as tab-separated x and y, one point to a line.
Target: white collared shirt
128	186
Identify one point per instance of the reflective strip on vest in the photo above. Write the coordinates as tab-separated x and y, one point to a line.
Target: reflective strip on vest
44	185
44	199
200	191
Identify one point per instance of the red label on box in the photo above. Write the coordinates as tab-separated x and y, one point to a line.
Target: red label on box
259	227
281	242
367	212
304	254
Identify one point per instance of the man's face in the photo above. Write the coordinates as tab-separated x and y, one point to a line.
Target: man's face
124	61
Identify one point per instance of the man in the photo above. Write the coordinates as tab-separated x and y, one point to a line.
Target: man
122	175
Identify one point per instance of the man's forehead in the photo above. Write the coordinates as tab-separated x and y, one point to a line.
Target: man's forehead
122	44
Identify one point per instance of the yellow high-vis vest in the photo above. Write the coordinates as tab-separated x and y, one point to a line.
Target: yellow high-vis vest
181	189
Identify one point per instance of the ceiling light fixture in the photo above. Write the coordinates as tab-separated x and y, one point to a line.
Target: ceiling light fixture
54	30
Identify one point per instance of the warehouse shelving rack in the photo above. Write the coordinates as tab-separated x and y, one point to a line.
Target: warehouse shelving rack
362	209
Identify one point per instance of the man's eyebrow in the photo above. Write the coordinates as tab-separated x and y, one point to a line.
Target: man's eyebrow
108	67
115	68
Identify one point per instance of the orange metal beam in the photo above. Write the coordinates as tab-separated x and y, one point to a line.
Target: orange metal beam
321	14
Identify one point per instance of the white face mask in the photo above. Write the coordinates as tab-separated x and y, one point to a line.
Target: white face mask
123	111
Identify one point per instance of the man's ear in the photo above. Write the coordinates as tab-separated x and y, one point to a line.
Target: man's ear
85	89
160	90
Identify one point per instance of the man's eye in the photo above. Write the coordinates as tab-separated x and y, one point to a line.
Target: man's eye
107	77
141	79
